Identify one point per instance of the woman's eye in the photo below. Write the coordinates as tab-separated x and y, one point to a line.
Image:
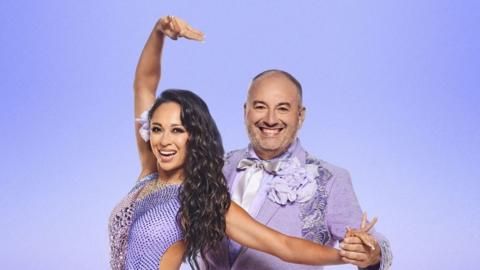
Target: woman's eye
178	130
155	129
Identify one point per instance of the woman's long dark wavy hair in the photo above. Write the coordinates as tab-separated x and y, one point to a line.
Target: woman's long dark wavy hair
204	197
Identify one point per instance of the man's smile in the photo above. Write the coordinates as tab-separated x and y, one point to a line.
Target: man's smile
266	131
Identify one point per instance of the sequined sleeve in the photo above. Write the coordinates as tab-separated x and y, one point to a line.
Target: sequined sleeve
119	224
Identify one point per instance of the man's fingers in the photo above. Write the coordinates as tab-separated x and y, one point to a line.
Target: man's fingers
371	224
362	239
346	260
355	262
352	240
353	255
353	247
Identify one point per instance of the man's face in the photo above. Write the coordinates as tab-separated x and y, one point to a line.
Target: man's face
273	115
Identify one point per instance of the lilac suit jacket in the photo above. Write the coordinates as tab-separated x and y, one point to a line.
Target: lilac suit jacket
322	219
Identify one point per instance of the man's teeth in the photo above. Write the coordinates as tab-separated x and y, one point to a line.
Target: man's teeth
270	131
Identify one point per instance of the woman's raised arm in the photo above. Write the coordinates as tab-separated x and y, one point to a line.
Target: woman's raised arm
245	230
147	77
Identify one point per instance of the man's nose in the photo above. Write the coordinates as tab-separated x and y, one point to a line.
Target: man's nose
271	118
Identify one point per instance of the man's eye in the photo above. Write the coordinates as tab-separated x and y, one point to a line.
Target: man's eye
259	107
283	109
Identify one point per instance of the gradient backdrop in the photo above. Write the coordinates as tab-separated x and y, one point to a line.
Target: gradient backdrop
391	89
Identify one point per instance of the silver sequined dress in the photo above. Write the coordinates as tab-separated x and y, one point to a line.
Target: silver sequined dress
142	229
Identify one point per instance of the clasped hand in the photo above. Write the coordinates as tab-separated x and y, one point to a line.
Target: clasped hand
359	247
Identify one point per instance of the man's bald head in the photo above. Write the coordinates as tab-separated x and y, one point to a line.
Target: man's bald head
273	112
279	73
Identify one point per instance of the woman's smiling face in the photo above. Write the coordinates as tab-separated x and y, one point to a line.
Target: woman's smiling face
168	139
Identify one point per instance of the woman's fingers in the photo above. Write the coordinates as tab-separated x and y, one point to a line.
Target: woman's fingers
174	24
371	224
364	221
366	239
184	30
193	34
165	26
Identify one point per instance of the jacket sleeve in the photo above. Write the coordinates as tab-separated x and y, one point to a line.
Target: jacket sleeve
343	210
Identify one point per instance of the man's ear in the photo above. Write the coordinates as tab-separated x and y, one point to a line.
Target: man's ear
301	116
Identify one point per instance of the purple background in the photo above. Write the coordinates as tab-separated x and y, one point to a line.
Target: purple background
391	89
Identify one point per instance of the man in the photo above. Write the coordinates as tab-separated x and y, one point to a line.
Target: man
284	187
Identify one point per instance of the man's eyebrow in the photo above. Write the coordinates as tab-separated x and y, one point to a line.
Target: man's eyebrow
284	104
256	102
259	102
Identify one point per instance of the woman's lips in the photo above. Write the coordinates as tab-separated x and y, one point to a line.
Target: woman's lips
167	155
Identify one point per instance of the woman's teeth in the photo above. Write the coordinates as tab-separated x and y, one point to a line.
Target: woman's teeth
168	153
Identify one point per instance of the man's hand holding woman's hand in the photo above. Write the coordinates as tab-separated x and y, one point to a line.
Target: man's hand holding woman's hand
359	247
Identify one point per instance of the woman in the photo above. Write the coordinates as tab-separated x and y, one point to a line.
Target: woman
180	207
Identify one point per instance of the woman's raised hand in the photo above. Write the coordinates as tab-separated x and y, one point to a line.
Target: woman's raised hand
174	27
